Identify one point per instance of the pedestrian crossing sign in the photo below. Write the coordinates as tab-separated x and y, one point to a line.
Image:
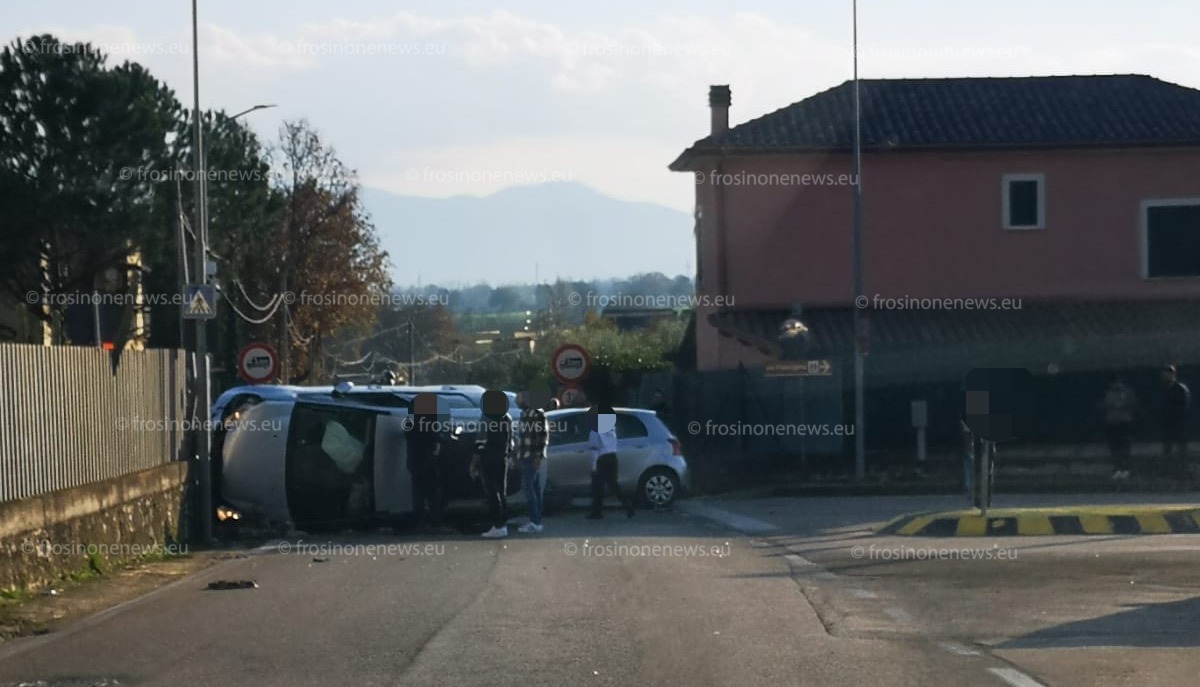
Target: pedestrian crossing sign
199	302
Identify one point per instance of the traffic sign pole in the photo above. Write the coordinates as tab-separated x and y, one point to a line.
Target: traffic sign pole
984	450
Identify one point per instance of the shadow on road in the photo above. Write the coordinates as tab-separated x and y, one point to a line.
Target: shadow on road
1174	624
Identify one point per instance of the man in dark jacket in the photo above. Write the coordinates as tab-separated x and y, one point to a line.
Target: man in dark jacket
1177	399
491	461
423	445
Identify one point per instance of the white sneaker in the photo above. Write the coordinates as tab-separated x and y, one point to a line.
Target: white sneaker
496	533
527	528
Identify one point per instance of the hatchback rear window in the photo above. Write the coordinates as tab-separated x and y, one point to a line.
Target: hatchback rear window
630	427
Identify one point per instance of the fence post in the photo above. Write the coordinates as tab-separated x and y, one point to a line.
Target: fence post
742	409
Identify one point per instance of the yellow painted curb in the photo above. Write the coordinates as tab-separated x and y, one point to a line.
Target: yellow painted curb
1035	522
1153	524
1095	524
971	526
916	525
1034	525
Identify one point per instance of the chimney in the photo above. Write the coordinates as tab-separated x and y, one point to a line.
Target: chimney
718	100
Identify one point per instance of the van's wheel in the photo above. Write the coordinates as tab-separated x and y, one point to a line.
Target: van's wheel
658	488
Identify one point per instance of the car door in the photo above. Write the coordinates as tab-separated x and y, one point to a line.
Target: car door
569	467
634	449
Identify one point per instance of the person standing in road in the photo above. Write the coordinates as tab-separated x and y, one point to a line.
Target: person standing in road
602	445
491	460
423	446
1120	406
1177	399
533	438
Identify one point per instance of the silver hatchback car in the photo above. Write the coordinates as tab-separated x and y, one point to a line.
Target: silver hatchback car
650	462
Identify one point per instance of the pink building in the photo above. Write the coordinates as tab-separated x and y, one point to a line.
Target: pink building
1077	198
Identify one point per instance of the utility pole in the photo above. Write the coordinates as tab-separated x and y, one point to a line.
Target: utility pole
183	259
285	340
202	387
859	332
412	356
96	316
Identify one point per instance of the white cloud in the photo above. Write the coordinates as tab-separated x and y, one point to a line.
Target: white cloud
612	105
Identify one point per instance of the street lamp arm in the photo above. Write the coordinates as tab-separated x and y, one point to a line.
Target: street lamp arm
252	109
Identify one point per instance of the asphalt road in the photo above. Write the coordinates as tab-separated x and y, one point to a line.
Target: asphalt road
763	592
1100	611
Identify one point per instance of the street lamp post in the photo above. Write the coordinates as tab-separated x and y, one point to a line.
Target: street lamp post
794	341
859	332
202	389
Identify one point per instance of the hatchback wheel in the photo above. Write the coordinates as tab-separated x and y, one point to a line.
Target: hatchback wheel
659	487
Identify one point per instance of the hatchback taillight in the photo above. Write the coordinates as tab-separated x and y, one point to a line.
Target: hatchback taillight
676	448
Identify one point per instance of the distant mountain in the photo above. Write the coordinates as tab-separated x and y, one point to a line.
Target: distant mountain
567	229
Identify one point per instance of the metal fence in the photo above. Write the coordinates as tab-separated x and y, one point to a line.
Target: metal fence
1065	410
743	412
71	416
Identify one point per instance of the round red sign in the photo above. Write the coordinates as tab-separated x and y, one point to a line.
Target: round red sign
570	363
258	363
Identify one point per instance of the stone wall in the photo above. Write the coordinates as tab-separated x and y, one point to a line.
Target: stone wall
93	527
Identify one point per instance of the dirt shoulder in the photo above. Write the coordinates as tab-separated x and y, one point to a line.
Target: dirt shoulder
70	600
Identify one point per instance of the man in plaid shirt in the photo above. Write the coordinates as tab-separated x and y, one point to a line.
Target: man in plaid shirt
533	436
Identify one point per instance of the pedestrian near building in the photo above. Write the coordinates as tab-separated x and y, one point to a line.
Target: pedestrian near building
1120	408
602	445
1177	400
658	403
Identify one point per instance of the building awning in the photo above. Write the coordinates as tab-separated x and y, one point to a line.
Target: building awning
938	343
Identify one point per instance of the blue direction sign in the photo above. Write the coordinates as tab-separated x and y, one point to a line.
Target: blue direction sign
199	302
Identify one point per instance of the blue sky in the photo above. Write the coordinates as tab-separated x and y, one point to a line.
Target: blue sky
456	97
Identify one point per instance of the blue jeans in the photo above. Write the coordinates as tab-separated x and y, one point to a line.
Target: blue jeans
531	482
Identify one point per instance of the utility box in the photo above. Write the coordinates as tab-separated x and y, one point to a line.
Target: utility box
920	413
920	420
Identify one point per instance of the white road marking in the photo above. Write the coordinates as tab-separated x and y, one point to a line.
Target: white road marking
898	614
863	594
1015	677
958	649
798	561
741	523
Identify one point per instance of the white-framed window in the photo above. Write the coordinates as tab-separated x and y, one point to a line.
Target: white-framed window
1024	201
1170	238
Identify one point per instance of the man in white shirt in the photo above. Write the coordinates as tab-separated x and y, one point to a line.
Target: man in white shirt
602	446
